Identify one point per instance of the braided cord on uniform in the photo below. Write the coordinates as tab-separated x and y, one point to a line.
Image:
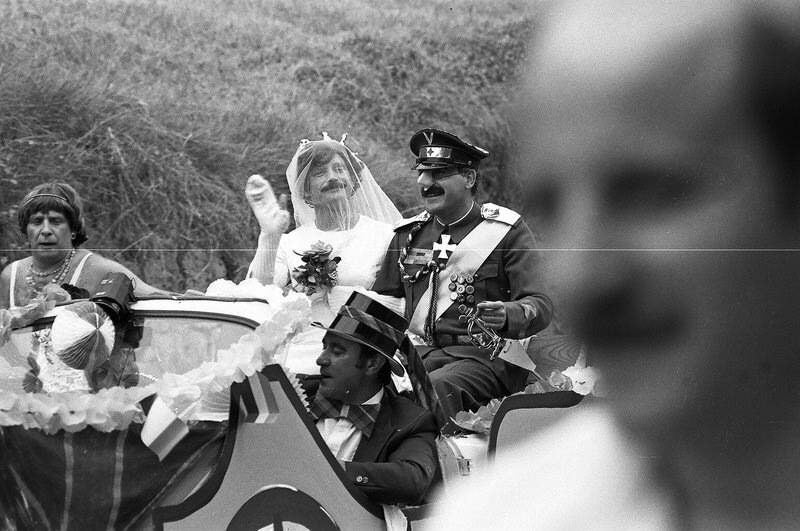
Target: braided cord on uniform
424	270
430	321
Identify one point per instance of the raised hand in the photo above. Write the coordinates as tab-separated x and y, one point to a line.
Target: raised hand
272	214
273	218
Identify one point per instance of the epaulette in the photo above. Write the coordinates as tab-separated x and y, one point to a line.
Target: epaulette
422	216
499	213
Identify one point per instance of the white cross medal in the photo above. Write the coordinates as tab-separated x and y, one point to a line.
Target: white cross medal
443	246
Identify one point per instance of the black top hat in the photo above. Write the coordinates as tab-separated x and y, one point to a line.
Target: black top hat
436	149
368	322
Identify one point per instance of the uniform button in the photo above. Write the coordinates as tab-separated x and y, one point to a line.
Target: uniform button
470	290
470	299
452	286
453	277
462	308
470	279
453	296
460	288
359	479
460	279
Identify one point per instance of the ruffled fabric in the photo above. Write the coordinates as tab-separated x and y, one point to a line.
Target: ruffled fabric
198	394
106	410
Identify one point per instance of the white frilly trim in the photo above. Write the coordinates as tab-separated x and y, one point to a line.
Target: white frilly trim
194	395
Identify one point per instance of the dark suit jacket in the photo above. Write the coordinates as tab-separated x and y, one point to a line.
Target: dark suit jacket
399	461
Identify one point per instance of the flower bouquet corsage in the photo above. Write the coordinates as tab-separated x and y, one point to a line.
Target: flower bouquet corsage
318	273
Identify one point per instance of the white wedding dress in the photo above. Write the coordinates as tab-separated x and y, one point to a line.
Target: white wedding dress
361	250
327	180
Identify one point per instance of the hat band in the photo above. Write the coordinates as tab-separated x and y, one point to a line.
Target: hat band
370	310
376	325
433	152
444	155
363	333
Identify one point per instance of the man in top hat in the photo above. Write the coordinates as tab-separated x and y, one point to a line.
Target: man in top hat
467	272
385	442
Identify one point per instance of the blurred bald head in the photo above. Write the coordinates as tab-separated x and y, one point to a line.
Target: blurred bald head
659	157
692	66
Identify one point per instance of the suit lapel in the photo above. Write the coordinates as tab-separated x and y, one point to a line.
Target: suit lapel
370	448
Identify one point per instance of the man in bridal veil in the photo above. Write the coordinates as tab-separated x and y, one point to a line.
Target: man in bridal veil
343	219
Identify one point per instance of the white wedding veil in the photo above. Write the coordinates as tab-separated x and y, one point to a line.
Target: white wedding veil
362	195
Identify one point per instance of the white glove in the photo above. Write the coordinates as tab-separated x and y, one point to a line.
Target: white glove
273	218
272	215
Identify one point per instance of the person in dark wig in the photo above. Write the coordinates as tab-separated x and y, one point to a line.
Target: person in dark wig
51	218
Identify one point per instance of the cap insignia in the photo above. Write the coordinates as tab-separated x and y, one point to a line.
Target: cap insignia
435	152
428	137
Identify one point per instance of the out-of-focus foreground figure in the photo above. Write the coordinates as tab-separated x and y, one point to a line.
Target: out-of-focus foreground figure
660	153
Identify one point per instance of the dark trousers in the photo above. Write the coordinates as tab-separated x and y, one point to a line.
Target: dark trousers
461	383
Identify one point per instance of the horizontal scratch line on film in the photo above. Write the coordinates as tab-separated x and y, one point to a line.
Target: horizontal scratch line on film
538	249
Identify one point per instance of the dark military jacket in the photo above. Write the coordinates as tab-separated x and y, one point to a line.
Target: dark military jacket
509	274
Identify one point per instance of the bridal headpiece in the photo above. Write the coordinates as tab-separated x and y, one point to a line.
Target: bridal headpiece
363	196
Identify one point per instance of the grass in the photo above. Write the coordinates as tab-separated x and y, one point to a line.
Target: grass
157	111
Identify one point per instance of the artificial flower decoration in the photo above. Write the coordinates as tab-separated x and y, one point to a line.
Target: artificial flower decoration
578	378
583	379
319	270
479	421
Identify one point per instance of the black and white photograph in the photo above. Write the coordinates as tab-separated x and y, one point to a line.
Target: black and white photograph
403	265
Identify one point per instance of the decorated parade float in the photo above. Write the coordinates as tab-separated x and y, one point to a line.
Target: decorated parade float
177	413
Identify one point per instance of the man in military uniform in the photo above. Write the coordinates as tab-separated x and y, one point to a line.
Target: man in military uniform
467	274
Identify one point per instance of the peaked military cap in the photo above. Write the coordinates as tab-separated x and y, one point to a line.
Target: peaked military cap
436	149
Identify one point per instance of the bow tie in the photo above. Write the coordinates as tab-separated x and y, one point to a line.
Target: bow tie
362	416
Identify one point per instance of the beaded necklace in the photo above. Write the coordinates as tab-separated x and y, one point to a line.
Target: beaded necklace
36	279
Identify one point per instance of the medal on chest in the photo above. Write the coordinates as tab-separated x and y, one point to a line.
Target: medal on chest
443	247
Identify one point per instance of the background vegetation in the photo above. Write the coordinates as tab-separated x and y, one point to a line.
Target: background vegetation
158	111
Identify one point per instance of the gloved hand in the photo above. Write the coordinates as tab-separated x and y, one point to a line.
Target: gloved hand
273	218
272	215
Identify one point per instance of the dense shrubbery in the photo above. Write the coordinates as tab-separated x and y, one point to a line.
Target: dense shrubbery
158	112
154	197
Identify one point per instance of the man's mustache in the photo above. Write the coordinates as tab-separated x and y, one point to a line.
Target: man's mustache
333	184
432	190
